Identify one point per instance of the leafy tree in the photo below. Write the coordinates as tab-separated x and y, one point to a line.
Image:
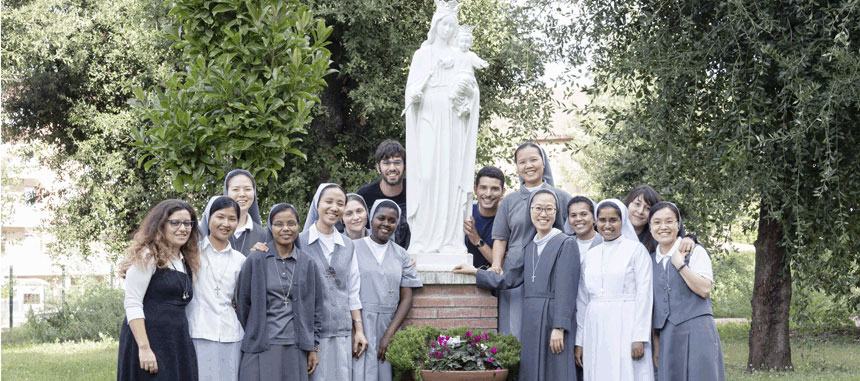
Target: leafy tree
729	106
253	71
69	69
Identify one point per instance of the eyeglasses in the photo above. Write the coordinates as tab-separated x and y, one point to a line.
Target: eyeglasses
390	162
333	274
187	223
280	225
538	210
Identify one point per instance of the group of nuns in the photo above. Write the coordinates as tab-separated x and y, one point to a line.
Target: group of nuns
223	298
616	288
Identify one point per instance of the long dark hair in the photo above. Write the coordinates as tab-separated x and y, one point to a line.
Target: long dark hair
651	198
149	242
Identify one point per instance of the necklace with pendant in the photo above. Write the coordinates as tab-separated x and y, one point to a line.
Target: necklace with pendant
185	294
286	292
212	272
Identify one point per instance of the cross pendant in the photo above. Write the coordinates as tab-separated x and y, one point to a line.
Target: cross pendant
286	302
533	278
217	290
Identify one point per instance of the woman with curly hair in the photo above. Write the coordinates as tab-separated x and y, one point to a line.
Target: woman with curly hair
154	341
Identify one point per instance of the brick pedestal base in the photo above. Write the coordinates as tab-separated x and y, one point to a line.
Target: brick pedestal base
450	300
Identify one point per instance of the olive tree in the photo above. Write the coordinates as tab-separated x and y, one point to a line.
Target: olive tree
728	106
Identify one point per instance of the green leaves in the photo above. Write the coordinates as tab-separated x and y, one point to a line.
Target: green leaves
253	78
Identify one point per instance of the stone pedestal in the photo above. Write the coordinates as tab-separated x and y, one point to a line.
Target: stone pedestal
450	300
439	262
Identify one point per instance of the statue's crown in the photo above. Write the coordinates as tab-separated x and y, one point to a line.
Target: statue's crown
448	7
466	30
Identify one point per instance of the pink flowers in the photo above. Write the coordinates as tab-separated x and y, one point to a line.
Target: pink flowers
494	351
490	359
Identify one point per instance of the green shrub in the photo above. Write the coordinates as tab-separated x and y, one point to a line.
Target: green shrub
409	349
96	312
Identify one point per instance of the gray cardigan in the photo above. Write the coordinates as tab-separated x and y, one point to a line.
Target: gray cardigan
307	296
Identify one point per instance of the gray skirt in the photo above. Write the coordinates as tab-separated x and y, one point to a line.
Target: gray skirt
691	351
335	357
216	360
278	363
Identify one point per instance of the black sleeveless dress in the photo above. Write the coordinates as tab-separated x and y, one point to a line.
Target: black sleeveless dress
166	328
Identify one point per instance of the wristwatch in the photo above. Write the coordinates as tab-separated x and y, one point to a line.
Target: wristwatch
316	349
480	243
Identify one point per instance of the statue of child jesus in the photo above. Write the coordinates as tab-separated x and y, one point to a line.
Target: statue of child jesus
466	87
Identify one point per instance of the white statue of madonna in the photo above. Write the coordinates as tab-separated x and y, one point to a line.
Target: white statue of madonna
441	112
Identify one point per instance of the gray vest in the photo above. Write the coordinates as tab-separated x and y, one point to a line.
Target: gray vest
336	319
380	283
673	299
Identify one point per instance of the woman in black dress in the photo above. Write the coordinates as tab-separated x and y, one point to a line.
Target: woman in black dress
154	342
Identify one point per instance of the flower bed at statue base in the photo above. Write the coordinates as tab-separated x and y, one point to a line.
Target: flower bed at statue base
460	353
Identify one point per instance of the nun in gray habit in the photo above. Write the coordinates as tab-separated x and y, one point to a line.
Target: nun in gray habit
336	261
279	303
387	280
549	276
513	225
685	334
251	232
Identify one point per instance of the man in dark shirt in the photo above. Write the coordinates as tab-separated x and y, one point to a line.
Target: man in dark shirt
390	163
489	189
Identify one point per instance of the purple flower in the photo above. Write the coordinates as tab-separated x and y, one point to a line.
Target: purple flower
447	338
498	368
432	345
468	334
439	355
486	336
490	359
478	339
494	350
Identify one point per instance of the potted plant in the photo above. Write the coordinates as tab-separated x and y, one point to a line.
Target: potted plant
455	354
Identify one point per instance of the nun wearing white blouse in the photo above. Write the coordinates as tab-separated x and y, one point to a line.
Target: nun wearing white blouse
686	342
614	302
387	280
212	322
342	334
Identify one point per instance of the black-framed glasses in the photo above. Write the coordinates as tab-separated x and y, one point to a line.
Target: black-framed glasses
333	274
187	223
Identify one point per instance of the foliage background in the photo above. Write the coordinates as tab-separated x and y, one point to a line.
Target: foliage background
70	67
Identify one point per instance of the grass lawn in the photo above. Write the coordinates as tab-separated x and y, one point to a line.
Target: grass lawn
836	358
66	361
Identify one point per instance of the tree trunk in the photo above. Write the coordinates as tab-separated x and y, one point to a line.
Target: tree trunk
769	335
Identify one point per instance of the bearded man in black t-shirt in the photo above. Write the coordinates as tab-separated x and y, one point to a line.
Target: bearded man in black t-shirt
391	164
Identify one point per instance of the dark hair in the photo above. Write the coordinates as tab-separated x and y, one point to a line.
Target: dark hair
491	172
386	203
609	205
524	146
280	208
223	202
388	149
582	199
650	195
327	187
150	244
663	205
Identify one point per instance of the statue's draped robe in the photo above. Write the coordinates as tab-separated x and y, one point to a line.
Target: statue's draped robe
440	148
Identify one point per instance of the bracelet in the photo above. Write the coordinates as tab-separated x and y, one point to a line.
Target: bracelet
356	321
682	267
